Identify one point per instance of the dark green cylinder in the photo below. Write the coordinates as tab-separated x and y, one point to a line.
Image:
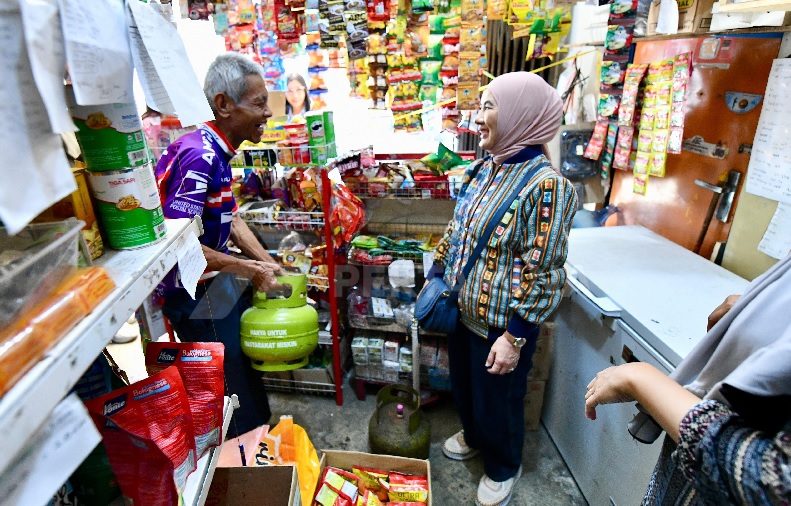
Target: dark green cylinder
398	426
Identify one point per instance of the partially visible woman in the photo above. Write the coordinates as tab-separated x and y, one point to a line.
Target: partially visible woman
729	426
297	100
517	281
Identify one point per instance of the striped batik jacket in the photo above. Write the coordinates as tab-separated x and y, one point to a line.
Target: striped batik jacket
519	278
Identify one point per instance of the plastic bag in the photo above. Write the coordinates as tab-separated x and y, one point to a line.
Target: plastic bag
288	444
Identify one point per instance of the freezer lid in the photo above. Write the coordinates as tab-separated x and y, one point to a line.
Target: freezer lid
665	292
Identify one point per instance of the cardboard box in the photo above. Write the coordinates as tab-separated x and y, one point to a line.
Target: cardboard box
542	358
534	401
693	16
254	486
277	103
346	460
319	376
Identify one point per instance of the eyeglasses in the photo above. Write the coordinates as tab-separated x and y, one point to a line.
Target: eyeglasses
291	92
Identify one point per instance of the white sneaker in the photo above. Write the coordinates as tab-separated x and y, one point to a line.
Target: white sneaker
456	448
496	493
126	334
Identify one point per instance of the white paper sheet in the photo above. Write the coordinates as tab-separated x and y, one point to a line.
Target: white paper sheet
769	172
58	448
97	49
777	239
168	80
192	264
44	39
34	172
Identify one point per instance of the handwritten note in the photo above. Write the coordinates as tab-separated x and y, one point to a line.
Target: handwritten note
44	39
168	80
34	172
769	172
777	239
100	64
192	264
60	446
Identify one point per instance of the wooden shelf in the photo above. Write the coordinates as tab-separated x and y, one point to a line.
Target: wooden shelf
740	31
754	6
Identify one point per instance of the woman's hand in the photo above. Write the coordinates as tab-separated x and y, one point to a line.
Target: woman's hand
503	356
610	386
720	310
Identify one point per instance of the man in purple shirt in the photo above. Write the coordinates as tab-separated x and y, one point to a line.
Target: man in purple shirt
194	178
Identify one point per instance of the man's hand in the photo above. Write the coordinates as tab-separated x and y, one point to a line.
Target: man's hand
503	356
262	274
720	311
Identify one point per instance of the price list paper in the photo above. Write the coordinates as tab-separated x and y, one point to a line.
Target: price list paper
769	172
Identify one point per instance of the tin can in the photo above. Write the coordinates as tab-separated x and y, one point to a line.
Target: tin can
110	135
127	202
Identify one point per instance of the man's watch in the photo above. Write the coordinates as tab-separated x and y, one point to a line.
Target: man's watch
518	342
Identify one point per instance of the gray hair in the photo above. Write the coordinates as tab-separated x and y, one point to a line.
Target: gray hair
227	75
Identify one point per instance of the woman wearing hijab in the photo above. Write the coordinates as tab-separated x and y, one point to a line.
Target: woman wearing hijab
729	426
516	282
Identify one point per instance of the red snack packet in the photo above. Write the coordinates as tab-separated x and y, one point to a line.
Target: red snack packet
201	369
372	480
407	488
147	430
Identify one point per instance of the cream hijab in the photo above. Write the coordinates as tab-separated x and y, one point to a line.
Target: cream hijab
529	112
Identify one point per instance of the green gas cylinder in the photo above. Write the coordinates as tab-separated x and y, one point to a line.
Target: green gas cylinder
398	426
279	332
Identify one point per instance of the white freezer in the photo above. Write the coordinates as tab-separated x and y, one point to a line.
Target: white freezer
631	295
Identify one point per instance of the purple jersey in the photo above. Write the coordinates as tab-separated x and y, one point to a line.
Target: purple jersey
194	178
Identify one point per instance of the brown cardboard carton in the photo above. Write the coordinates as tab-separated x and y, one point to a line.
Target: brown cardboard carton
542	358
534	400
254	486
693	16
346	460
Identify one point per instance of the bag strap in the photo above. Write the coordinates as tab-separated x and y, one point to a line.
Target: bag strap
504	205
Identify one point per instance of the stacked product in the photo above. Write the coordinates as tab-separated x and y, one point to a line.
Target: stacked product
121	175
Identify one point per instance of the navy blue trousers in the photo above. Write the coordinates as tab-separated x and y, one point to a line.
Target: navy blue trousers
491	406
215	316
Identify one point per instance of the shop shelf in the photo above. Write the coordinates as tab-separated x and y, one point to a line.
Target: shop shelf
285	220
364	323
417	257
198	483
136	273
318	282
439	189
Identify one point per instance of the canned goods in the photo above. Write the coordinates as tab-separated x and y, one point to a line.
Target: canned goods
127	202
110	135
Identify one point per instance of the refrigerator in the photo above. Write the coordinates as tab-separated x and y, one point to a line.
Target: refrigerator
631	295
724	98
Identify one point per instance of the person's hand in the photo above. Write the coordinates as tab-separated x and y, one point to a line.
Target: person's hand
262	274
720	310
503	356
610	386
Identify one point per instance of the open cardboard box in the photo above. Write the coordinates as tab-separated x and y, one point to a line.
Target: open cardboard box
255	486
346	460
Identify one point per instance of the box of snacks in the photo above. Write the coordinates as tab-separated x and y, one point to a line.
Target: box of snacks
379	480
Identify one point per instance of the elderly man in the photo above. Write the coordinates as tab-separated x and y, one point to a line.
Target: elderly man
194	178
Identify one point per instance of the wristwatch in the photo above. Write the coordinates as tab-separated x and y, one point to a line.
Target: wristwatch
518	342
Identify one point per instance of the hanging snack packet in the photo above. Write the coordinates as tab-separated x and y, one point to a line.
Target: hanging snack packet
612	74
618	39
640	186
201	369
147	431
596	144
608	106
443	160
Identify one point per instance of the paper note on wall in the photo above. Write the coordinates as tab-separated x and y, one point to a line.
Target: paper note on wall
168	80
97	50
44	38
777	239
769	172
192	263
34	172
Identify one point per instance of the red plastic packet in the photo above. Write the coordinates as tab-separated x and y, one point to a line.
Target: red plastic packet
147	430
407	488
201	368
